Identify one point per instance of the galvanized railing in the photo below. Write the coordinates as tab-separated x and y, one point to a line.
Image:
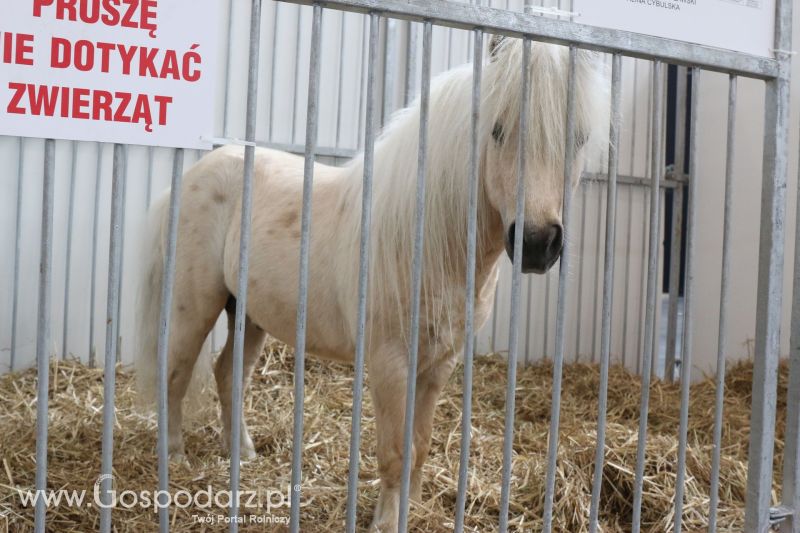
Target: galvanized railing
481	20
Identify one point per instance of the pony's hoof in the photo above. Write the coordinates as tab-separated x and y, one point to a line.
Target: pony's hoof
248	453
383	528
178	458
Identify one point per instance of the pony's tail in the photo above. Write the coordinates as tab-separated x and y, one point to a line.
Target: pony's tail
148	304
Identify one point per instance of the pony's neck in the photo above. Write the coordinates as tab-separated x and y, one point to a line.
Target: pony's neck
442	226
394	220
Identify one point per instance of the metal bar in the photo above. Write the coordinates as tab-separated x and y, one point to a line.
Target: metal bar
93	287
790	496
550	30
449	48
608	287
546	333
163	333
602	153
112	317
626	277
469	312
581	262
528	321
411	63
642	287
724	302
272	70
363	276
416	277
516	280
686	351
148	195
389	69
671	350
17	250
362	85
228	46
563	287
597	262
340	78
677	228
305	241
43	332
649	153
296	70
680	123
652	294
117	324
662	206
244	261
769	296
494	318
198	155
68	257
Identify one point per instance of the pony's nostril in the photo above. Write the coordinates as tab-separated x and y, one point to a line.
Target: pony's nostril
541	246
555	238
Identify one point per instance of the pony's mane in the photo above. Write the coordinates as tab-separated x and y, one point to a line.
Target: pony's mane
447	181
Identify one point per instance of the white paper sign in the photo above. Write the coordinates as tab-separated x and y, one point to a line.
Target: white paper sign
741	25
123	71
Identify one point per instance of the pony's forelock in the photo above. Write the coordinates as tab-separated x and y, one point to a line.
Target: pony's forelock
549	68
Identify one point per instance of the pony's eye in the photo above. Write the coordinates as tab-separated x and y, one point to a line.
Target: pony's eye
580	140
497	133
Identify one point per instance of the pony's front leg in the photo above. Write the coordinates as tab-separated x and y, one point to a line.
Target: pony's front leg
430	384
387	379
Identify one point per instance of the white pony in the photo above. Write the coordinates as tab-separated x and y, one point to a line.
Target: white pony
209	233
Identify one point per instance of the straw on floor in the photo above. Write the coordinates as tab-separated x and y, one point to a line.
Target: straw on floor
75	432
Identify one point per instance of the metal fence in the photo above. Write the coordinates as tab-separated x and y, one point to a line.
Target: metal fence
380	79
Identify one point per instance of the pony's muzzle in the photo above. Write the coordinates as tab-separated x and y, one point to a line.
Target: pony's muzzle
541	247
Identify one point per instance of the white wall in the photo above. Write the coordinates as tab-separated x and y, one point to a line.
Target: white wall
747	209
286	122
745	242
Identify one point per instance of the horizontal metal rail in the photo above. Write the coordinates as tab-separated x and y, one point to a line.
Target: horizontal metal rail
513	24
667	181
300	149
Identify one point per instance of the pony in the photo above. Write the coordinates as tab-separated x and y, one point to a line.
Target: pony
209	236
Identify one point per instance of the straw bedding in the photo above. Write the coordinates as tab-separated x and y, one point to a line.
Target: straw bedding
76	426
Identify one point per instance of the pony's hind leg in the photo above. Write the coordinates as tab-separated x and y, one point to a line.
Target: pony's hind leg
254	339
191	324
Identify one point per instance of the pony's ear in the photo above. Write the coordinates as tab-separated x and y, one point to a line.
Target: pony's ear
494	46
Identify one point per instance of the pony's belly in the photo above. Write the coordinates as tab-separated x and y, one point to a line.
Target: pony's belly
272	305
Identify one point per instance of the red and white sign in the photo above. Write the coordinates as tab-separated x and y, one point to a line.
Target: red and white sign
123	71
